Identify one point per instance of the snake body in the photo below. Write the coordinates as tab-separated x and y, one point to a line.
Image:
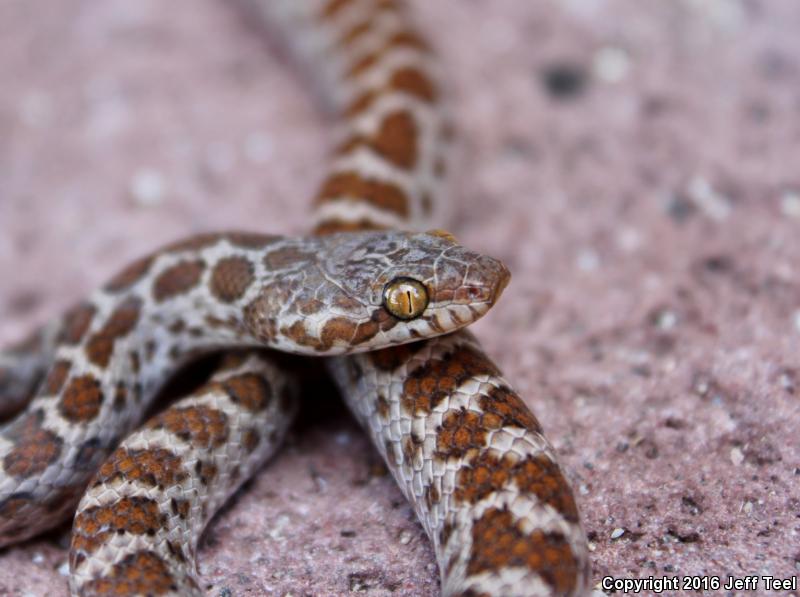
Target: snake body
464	448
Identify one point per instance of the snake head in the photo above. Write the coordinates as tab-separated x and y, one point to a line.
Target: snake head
368	290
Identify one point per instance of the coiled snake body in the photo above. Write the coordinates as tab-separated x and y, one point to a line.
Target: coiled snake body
464	448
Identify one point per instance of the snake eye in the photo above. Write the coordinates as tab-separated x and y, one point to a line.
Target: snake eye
405	298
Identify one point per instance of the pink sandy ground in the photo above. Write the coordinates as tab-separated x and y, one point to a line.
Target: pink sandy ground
651	219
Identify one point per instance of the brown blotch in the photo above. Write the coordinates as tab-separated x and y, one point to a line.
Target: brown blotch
389	359
155	467
383	407
15	504
120	397
137	515
349	185
177	326
76	322
230	278
135	362
502	402
414	82
249	390
461	430
445	533
340	330
130	275
250	240
333	7
180	507
56	378
533	475
141	573
34	448
250	440
406	80
439	378
245	240
432	496
201	426
120	323
335	226
499	542
298	333
355	32
309	306
395	140
286	257
81	400
411	445
178	279
407	39
206	471
176	551
264	327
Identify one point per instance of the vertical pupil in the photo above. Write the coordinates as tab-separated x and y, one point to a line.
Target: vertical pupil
410	306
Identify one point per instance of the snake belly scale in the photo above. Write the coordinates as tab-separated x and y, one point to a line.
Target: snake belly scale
464	448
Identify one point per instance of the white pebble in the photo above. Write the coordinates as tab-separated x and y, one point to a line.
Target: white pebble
790	204
709	200
147	187
737	457
666	319
258	148
611	64
405	538
63	570
588	260
37	558
617	533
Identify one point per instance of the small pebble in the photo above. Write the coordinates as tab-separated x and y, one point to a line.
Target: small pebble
790	204
147	187
666	319
63	570
611	64
617	533
712	203
258	148
564	80
587	260
405	538
737	457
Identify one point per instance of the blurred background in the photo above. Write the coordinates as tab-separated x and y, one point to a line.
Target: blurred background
634	163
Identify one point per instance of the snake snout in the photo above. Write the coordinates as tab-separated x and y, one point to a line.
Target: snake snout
491	276
503	277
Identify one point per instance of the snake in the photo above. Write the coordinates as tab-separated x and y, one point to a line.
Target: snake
384	306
